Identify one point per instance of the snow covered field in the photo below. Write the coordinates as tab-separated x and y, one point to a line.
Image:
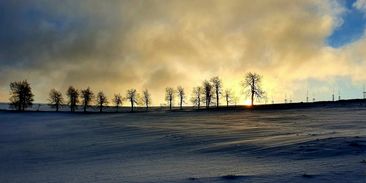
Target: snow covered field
308	145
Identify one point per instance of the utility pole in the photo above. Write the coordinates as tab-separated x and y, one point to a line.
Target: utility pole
307	96
285	98
272	100
364	92
333	96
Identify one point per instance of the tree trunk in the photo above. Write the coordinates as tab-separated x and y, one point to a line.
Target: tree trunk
252	92
252	97
22	103
85	107
170	104
217	97
100	108
181	101
57	107
131	105
209	102
199	103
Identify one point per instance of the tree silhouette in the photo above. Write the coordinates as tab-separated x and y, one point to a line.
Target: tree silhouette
217	87
101	100
73	95
207	91
132	96
88	97
181	95
196	96
252	84
56	99
228	97
21	95
117	100
146	99
169	96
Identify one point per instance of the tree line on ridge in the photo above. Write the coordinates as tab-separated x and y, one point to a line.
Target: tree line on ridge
208	94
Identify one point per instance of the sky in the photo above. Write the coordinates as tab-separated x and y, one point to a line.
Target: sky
299	47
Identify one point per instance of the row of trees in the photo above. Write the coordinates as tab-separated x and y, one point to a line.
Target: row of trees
200	94
87	97
208	94
211	91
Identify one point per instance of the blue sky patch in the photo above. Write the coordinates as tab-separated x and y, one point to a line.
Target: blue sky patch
352	29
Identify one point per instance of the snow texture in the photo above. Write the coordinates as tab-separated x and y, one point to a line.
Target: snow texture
307	145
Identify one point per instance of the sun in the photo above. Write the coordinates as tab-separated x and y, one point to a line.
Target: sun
247	102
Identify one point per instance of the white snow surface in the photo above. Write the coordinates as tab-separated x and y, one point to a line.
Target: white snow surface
304	145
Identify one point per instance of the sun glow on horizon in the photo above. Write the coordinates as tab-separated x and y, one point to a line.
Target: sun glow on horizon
247	102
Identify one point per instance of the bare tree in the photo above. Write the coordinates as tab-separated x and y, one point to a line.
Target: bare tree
181	95
146	99
117	100
88	97
73	95
21	95
56	99
169	96
228	97
132	96
252	84
207	91
217	87
101	100
196	96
